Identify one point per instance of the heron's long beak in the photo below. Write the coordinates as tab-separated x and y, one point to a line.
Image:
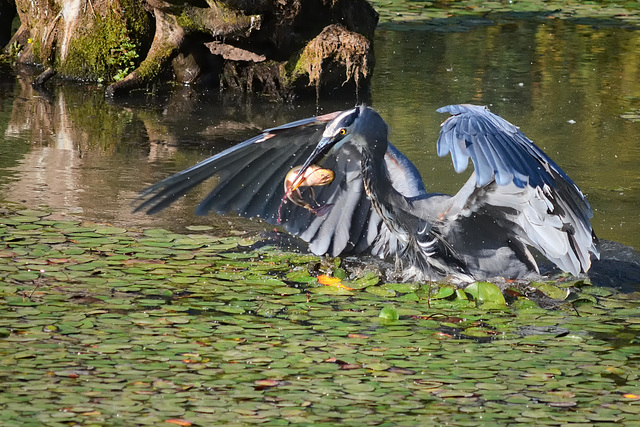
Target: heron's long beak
323	147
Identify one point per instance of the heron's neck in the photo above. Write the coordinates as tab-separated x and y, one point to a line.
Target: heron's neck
386	200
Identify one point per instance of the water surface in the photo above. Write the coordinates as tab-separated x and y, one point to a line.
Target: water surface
102	323
566	85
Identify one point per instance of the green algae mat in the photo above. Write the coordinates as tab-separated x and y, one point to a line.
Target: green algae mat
100	325
406	14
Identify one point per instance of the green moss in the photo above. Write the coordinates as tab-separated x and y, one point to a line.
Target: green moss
217	19
151	66
138	19
12	52
108	48
231	16
36	49
189	21
298	65
336	46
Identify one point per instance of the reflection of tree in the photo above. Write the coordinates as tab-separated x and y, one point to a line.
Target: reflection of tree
30	112
11	151
77	152
50	171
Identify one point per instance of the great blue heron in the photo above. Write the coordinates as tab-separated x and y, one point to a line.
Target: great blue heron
517	199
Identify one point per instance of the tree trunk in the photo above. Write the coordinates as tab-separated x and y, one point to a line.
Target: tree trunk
278	47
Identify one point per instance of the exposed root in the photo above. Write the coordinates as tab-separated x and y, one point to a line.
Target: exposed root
166	43
337	45
44	77
279	48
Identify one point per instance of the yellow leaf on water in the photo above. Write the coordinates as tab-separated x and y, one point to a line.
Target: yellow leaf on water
332	281
178	422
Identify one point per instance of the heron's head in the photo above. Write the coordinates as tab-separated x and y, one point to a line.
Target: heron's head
361	125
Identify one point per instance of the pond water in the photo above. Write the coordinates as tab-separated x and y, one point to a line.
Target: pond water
565	85
105	319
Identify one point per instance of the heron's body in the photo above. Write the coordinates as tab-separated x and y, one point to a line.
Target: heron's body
516	199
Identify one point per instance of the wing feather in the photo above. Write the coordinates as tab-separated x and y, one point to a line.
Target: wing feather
250	183
528	196
517	196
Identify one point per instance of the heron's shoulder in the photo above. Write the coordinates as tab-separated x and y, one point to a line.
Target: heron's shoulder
456	109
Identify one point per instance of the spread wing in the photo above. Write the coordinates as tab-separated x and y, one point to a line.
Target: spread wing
250	183
516	188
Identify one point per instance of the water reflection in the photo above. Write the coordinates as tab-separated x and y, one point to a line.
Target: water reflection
565	85
76	152
49	174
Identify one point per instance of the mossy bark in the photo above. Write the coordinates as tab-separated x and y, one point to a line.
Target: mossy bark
82	40
168	38
277	47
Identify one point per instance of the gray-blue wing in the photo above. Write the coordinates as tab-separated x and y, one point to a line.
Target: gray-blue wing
245	172
517	186
250	183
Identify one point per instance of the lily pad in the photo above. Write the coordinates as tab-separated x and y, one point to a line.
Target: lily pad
389	313
486	293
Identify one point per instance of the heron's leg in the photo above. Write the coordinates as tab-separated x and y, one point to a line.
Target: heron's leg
398	264
429	273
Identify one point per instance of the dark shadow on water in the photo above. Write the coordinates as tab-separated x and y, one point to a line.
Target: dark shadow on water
465	23
618	267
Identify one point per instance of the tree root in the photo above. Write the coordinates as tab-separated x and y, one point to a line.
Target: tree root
43	77
165	46
280	48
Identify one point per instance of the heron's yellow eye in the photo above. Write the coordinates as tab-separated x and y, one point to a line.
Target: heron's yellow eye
343	131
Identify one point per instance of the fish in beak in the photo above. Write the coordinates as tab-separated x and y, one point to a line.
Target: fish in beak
311	176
